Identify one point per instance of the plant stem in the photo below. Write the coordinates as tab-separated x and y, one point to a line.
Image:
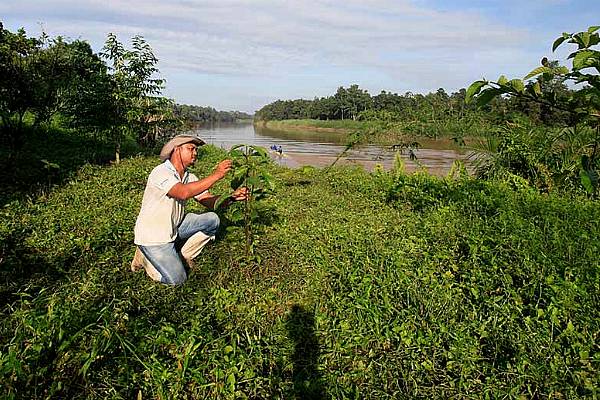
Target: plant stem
247	210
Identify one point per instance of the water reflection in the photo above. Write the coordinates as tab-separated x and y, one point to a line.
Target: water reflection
321	148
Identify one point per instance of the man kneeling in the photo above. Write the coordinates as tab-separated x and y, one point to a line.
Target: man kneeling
165	235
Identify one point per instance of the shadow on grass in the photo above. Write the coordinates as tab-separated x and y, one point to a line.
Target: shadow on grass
50	157
21	265
307	379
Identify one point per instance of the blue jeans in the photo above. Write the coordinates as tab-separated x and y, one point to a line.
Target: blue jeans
165	257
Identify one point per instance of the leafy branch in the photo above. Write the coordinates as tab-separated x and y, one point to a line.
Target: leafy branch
582	104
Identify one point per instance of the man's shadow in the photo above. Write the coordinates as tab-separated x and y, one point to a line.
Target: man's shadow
307	379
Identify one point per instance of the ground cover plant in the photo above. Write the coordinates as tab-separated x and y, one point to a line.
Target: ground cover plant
370	285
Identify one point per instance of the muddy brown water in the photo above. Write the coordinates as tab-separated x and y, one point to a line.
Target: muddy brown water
320	149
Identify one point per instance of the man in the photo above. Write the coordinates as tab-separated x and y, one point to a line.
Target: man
164	233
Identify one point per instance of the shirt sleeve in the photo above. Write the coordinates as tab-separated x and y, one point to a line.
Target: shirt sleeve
162	179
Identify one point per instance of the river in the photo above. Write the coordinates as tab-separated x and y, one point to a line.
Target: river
320	149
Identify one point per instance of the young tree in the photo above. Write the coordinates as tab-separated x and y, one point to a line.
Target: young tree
132	82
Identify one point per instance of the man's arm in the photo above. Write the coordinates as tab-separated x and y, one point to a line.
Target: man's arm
184	191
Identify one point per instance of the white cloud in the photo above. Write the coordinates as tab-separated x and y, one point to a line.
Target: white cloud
272	39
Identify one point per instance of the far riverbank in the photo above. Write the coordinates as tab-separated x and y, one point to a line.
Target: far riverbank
431	135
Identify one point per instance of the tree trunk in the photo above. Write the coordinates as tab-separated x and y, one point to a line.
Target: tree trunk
118	152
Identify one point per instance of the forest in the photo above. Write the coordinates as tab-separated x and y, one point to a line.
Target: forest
357	104
113	94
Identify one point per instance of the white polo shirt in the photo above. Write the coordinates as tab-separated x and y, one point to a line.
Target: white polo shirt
161	214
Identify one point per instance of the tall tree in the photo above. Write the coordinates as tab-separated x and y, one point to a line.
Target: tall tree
133	81
17	82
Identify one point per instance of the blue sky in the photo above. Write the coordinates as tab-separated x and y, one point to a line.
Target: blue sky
243	54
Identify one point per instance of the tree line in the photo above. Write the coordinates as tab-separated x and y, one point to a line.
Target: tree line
112	94
201	115
357	104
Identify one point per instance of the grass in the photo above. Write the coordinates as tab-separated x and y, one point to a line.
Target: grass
460	129
341	125
369	285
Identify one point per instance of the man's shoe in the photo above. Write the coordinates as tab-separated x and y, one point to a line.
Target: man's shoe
189	262
140	261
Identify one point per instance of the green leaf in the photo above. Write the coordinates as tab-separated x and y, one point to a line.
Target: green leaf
593	29
253	181
236	215
235	153
240	172
502	80
558	42
231	380
517	85
220	201
537	89
537	71
562	70
581	60
487	95
237	146
48	164
473	90
585	39
237	182
578	38
586	181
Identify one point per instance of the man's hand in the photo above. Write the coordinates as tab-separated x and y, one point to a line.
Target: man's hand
240	194
223	168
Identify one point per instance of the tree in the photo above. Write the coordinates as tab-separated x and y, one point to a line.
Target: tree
132	82
17	82
63	71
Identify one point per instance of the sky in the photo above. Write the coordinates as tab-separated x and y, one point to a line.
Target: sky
243	54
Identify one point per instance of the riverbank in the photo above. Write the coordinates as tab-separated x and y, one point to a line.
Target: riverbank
454	133
365	285
332	126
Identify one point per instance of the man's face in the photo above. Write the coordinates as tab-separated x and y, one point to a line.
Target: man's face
188	154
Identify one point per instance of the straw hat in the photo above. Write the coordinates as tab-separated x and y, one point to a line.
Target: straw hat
178	140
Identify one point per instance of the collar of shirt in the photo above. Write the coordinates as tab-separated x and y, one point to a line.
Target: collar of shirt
171	167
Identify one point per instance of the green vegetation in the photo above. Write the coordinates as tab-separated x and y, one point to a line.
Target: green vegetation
250	165
204	115
53	82
545	157
334	124
385	129
369	285
113	95
432	115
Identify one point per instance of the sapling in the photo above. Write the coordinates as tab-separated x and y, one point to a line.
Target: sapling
249	170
